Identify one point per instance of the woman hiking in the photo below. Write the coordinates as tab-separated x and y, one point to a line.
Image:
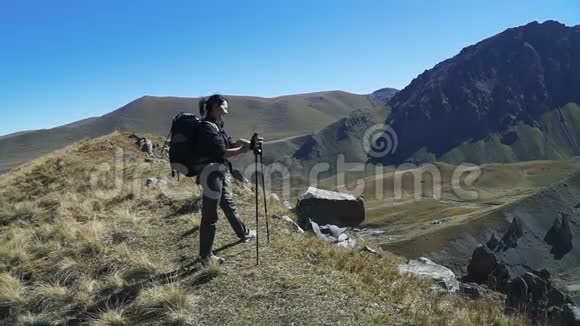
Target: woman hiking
216	147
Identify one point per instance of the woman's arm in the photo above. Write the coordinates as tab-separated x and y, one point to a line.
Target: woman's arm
231	152
240	142
241	146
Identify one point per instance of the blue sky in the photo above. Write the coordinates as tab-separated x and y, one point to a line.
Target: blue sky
62	61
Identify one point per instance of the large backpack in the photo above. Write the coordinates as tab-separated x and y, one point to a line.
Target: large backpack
183	156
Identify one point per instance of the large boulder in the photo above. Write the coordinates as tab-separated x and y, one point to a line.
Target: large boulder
424	267
485	268
329	207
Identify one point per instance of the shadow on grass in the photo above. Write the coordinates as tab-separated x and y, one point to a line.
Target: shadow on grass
189	207
189	232
128	293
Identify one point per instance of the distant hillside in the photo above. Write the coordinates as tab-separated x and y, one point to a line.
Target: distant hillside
510	97
14	134
343	137
537	214
272	117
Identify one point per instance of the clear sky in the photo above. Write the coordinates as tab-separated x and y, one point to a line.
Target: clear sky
62	61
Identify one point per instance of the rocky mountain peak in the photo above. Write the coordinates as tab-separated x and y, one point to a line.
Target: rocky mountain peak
514	76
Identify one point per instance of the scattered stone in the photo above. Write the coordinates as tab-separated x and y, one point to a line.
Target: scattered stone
275	197
470	290
329	207
333	234
375	233
151	182
287	205
348	243
368	249
144	144
316	229
334	230
424	267
560	236
289	220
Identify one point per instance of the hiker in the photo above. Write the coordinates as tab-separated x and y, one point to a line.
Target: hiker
217	147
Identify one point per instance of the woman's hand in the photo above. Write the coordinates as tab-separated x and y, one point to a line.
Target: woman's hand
259	142
242	143
242	146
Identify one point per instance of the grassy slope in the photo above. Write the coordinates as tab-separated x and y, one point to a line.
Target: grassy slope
545	141
68	254
273	117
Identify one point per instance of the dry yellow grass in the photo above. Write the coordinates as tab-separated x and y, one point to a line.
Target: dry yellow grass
78	251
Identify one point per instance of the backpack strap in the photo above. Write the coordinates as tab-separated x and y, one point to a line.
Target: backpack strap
213	125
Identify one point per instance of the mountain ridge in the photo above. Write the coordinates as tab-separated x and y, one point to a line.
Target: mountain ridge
277	117
514	76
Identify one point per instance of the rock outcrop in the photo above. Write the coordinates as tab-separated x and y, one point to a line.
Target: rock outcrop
510	238
485	268
510	78
533	294
329	207
493	242
560	236
567	315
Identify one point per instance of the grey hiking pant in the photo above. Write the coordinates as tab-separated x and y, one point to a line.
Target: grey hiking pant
215	193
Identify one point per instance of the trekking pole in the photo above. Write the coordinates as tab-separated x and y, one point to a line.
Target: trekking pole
252	146
264	192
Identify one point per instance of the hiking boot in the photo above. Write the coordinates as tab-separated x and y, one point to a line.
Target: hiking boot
212	259
250	234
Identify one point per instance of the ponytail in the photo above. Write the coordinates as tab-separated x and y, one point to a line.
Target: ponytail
207	105
202	107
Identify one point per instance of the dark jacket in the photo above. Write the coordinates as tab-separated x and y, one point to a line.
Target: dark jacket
213	141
